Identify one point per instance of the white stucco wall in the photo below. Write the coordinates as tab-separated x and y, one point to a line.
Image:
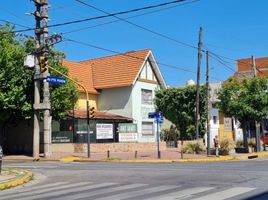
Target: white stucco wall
116	101
214	127
140	112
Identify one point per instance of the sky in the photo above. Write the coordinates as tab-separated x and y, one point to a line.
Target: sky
232	29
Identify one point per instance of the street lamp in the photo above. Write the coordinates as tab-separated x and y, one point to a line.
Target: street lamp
87	106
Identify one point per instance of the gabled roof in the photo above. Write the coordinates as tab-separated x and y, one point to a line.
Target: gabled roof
117	70
82	74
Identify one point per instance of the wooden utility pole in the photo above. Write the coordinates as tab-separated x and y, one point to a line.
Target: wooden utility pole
257	124
198	83
207	104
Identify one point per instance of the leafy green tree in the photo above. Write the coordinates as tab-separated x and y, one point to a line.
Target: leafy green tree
16	81
179	106
246	100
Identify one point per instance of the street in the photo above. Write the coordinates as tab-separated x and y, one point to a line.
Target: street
157	181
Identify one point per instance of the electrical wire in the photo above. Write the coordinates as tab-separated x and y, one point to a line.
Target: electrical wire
110	15
124	54
134	16
7	21
139	26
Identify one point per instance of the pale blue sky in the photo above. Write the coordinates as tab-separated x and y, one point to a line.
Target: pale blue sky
231	28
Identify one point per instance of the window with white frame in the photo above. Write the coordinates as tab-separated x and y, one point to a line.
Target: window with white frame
147	128
146	96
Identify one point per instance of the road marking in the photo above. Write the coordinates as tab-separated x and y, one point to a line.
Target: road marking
139	192
34	193
181	194
62	192
225	194
99	192
24	189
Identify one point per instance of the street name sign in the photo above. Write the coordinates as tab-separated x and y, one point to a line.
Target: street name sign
56	80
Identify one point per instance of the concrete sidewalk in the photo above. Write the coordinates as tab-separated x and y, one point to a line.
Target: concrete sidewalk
142	156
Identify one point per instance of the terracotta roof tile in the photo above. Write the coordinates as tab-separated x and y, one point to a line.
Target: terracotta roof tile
117	70
81	73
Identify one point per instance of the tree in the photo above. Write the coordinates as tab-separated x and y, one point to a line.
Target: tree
246	100
178	106
16	81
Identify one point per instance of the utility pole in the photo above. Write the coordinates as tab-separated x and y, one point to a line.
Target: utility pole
257	124
198	83
41	72
254	66
36	131
207	103
46	93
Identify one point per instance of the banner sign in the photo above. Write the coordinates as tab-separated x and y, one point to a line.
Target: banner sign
104	131
127	132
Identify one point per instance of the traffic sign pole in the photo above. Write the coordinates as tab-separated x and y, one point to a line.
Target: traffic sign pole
158	138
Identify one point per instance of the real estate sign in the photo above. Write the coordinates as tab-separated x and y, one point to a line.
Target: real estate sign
127	132
104	131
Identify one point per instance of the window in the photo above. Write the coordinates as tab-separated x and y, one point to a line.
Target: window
147	128
146	97
214	119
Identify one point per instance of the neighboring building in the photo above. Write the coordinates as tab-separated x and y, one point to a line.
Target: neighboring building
244	67
120	87
224	127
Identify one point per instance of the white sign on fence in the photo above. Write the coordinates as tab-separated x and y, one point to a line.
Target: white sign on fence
104	131
128	137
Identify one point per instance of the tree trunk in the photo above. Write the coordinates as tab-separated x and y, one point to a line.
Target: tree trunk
181	138
245	137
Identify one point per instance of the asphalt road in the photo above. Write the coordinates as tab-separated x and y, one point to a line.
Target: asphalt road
136	181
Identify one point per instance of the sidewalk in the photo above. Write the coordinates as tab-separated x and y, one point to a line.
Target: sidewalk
172	155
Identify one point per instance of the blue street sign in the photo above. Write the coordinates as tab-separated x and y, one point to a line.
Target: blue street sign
159	120
151	115
159	114
56	80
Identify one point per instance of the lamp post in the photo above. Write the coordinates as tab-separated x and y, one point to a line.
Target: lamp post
87	106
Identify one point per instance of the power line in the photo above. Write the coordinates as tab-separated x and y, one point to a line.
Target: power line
110	15
117	52
138	15
139	26
7	21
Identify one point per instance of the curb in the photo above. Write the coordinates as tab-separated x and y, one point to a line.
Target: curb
215	159
20	178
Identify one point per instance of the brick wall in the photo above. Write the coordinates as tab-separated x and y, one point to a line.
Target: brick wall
114	147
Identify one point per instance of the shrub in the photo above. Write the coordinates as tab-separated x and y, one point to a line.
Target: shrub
192	148
169	134
239	144
225	146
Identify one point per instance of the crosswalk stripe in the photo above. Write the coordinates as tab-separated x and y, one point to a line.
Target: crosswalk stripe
61	192
181	194
225	194
139	192
33	193
30	188
98	192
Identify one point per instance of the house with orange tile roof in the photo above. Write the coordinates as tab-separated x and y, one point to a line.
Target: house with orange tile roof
121	88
